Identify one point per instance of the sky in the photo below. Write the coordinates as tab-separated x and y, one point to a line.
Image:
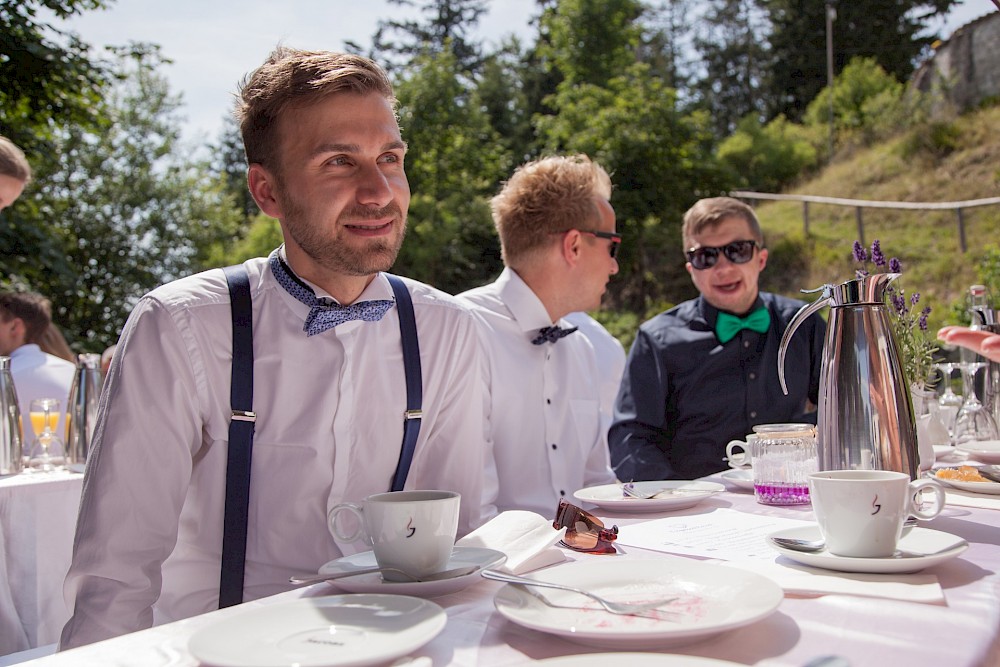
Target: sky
214	43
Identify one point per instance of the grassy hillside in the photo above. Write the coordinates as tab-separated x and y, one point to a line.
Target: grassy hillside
926	242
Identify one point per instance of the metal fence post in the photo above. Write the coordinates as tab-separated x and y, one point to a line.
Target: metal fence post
961	229
861	224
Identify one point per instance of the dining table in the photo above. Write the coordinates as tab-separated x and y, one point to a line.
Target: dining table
855	629
38	512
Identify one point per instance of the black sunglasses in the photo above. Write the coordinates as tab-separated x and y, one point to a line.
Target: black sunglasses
616	239
737	252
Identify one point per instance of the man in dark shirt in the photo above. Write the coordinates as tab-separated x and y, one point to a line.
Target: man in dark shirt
706	371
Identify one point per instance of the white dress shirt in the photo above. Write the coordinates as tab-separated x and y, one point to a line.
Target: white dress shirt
38	374
329	428
610	361
543	401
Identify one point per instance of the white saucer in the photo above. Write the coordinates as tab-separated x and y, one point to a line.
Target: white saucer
919	548
987	451
334	631
372	583
740	478
634	660
679	495
709	599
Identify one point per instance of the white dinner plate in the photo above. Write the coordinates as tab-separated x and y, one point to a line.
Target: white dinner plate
634	660
919	548
991	488
987	451
677	495
742	479
372	583
710	599
333	631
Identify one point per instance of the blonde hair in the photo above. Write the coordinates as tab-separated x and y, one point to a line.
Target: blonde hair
12	161
713	212
550	195
292	77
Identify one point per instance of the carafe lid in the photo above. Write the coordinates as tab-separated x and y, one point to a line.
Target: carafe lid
4	363
785	430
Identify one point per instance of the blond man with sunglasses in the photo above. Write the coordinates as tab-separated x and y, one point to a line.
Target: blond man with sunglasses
705	372
557	235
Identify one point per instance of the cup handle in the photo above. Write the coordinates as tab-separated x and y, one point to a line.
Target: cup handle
335	529
916	488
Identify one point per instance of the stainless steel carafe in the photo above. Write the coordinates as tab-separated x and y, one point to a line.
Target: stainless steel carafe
11	433
986	318
81	413
865	414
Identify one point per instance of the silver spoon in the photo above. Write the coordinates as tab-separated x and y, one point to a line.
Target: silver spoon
437	576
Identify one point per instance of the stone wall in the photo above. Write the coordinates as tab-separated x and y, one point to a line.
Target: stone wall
966	68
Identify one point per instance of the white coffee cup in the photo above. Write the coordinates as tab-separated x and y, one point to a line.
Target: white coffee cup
861	512
739	453
413	531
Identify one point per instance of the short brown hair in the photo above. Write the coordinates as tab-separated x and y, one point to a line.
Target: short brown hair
31	308
712	212
550	195
292	77
12	161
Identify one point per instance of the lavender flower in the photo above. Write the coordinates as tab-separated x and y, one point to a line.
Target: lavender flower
860	255
922	320
895	266
877	257
914	298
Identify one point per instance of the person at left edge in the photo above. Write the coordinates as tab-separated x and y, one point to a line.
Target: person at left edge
558	241
326	159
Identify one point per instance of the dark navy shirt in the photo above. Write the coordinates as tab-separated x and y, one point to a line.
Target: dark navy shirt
684	396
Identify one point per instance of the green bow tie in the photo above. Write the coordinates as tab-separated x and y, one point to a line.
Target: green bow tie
727	326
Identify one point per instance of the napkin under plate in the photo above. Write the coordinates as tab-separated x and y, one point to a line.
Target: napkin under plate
527	538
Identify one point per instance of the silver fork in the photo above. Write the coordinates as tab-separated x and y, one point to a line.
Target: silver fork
626	608
629	490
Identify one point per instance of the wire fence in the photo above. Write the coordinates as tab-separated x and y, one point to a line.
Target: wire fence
860	204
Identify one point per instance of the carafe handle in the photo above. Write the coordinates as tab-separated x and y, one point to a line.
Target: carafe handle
803	313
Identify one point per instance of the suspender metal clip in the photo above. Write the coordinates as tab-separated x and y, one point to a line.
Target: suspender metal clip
244	416
413	414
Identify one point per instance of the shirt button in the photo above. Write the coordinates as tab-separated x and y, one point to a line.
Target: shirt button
746	343
753	376
555	446
549	401
562	493
753	414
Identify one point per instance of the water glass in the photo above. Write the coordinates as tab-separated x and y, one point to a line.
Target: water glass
784	457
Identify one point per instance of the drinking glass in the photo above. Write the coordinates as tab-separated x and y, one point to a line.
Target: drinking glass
47	449
974	421
949	402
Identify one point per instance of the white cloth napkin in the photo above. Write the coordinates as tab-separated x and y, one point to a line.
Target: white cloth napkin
527	538
797	579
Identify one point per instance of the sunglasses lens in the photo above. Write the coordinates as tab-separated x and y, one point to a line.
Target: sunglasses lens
613	249
584	531
703	258
739	252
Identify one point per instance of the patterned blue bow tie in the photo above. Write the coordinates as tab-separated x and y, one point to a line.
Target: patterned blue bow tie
323	316
551	335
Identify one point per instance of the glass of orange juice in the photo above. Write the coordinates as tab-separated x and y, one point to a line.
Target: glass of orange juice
46	451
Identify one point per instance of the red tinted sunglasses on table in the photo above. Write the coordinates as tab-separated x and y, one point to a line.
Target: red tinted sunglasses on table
584	531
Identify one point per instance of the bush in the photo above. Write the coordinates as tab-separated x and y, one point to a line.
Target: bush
934	139
867	101
767	158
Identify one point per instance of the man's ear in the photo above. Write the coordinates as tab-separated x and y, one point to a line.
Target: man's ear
264	189
571	247
763	258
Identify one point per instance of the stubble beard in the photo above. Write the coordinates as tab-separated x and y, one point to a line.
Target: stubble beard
331	253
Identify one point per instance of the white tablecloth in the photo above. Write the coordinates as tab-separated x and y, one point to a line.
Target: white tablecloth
37	520
868	632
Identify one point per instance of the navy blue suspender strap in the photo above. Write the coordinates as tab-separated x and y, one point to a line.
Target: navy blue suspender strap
414	380
241	426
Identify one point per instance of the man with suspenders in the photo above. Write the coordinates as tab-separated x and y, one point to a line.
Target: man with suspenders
344	400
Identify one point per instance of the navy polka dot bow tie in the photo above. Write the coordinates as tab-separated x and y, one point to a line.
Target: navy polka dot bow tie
323	316
551	335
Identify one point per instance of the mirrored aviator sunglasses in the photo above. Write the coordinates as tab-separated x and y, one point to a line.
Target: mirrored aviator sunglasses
584	531
737	252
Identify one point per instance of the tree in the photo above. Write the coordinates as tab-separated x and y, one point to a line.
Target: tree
121	212
229	163
890	32
735	62
48	79
454	163
447	27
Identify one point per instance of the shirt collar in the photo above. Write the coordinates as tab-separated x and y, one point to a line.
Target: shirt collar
378	288
527	309
710	313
